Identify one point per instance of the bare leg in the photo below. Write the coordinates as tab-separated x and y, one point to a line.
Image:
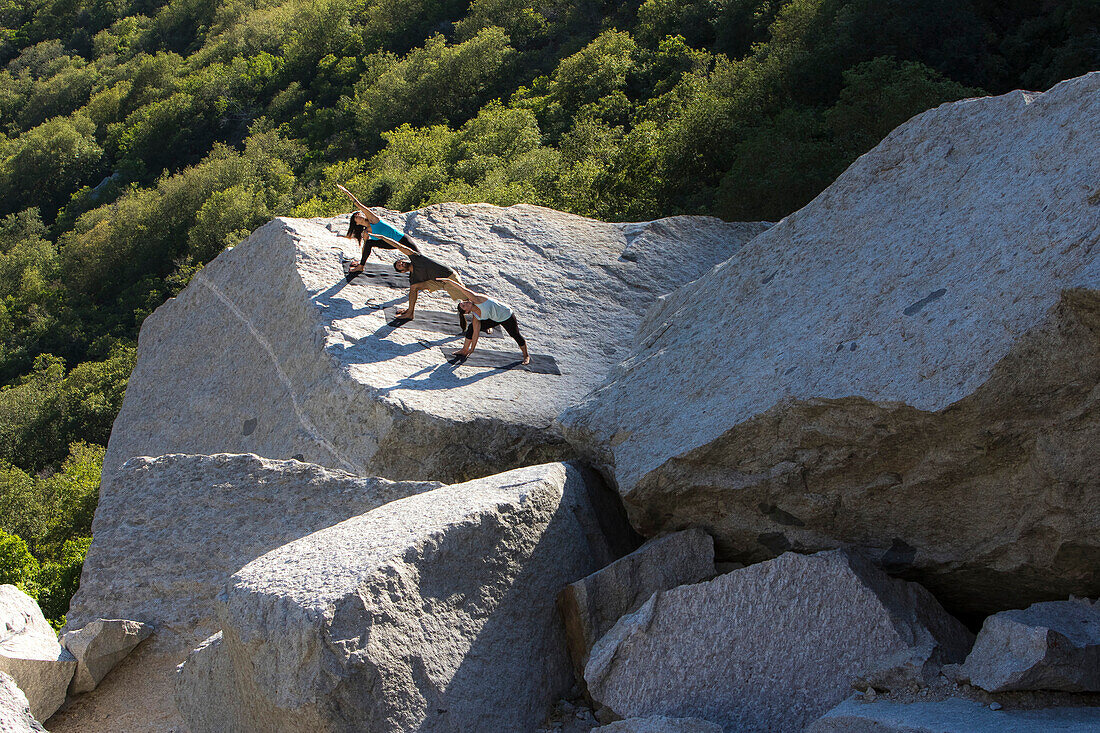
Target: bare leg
456	294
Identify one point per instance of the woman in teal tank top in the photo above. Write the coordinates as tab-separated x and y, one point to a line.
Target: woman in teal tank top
364	228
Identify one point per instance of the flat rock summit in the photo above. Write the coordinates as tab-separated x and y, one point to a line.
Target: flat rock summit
761	477
271	351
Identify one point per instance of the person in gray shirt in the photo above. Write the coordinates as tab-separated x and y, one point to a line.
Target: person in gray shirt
424	274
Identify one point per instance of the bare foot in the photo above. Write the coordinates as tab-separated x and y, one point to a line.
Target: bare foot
407	314
526	359
355	268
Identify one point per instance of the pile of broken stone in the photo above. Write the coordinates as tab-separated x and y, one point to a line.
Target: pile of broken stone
785	474
775	645
660	643
37	670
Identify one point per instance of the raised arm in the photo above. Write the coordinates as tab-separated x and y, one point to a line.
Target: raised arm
359	205
396	245
458	286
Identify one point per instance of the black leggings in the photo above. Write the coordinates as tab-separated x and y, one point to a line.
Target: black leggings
509	325
369	243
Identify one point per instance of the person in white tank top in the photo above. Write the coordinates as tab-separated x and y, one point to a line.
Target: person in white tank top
492	310
486	313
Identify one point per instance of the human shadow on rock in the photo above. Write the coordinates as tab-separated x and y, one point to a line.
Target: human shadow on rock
440	376
339	308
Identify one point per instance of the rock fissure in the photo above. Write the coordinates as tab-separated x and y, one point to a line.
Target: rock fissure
295	400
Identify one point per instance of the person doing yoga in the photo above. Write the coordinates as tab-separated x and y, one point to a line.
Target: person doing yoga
424	274
485	314
366	229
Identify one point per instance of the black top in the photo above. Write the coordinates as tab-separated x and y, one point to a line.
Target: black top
425	268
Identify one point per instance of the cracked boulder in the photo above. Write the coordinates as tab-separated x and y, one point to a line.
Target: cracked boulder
908	365
99	646
270	350
1047	646
30	654
770	647
430	613
164	564
592	605
166	538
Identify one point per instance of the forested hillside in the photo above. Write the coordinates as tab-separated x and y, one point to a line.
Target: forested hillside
138	138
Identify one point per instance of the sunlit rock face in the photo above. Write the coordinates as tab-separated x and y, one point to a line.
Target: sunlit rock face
168	536
434	612
909	364
271	351
31	657
176	527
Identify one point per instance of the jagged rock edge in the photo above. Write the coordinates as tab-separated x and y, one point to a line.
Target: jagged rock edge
1073	309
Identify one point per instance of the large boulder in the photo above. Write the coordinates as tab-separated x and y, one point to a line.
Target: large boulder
917	343
168	536
30	654
952	716
99	646
15	711
431	613
592	605
770	647
1047	646
271	351
175	528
